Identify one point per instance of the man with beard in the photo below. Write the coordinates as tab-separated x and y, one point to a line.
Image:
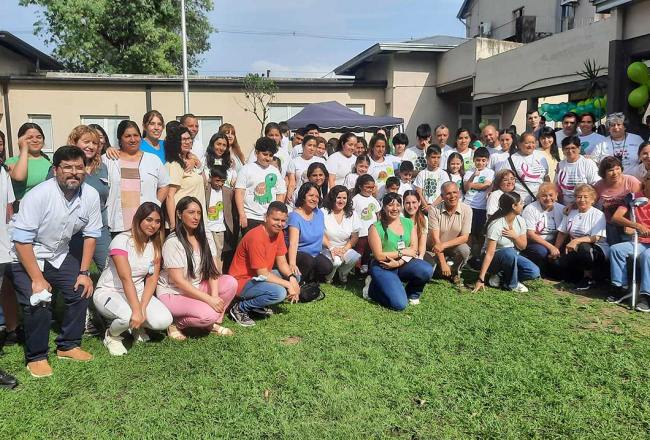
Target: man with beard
50	214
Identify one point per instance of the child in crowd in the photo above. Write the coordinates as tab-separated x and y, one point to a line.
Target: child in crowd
400	143
477	181
361	148
258	184
277	163
423	134
392	186
360	168
429	180
406	171
220	222
366	207
321	147
456	171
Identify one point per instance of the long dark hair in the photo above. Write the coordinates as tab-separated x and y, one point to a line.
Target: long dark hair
383	217
302	194
344	138
211	156
28	126
321	166
122	127
139	237
101	131
362	180
550	133
330	200
173	149
208	269
3	153
457	155
506	203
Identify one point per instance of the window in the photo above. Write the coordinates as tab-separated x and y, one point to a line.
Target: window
568	15
359	108
490	114
208	126
282	112
45	122
108	123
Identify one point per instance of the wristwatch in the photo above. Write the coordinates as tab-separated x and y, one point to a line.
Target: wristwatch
84	272
292	275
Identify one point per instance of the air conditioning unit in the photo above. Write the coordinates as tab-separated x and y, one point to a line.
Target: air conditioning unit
485	29
568	2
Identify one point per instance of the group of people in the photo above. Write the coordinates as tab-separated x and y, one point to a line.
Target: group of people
183	234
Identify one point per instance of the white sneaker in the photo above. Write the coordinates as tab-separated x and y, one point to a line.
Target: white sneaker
114	344
140	335
414	302
520	288
494	281
365	289
364	269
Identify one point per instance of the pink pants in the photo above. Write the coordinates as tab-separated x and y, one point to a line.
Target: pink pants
190	312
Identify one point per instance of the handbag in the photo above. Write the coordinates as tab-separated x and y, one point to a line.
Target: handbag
311	292
512	167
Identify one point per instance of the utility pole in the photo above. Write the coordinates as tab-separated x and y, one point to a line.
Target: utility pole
186	86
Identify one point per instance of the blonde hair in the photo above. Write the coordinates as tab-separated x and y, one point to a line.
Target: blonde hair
585	187
82	130
545	187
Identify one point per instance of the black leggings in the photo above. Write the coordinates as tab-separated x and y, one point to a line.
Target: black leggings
588	256
313	268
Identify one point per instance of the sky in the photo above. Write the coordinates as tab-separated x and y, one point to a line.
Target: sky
344	28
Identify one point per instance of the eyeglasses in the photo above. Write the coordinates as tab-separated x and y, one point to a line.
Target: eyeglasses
186	139
72	169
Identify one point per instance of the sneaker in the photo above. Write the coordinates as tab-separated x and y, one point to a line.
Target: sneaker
619	292
241	317
520	288
263	311
7	380
12	337
343	279
114	344
414	301
494	281
585	284
642	304
75	354
39	368
364	269
140	335
366	287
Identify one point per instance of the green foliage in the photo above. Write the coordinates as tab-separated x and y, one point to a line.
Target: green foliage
494	365
259	92
134	36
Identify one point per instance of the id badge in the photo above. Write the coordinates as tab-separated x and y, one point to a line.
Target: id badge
401	245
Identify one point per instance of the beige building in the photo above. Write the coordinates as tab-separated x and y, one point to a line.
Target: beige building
516	54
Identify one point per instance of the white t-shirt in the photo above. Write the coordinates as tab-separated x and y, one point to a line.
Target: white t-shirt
420	157
231	177
339	234
262	186
340	166
544	223
174	257
407	155
458	180
6	197
141	265
214	219
493	201
381	171
282	154
468	158
592	146
199	151
403	187
350	181
570	175
298	167
586	224
495	231
532	169
297	151
367	209
639	171
473	197
627	150
430	182
497	158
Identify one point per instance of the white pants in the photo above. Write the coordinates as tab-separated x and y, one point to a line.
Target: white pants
114	306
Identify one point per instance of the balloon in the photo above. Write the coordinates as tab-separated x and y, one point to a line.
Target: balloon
598	103
638	72
638	97
544	107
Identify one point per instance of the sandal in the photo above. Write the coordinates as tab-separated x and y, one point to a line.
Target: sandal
221	331
174	333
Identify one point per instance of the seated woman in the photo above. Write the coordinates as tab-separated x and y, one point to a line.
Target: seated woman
587	251
394	244
504	181
506	236
612	190
342	226
413	210
126	287
542	219
305	232
190	285
620	252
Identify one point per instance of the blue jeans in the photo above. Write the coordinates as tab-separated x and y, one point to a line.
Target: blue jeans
386	285
102	243
258	294
512	267
618	255
3	266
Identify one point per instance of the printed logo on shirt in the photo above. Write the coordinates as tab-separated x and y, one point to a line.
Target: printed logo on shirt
214	212
263	191
584	146
430	187
420	163
566	182
368	212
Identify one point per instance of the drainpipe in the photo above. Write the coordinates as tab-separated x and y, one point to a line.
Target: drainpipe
5	99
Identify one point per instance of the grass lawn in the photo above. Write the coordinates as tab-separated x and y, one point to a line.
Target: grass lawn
546	364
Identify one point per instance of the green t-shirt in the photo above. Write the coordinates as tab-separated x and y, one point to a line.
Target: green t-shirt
389	240
37	169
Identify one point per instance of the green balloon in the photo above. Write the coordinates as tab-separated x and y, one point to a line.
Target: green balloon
638	97
638	72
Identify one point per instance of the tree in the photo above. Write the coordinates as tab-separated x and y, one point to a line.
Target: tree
259	93
113	36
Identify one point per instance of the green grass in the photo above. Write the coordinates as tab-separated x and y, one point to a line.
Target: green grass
545	364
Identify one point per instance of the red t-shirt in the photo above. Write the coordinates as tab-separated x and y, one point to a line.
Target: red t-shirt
643	217
255	251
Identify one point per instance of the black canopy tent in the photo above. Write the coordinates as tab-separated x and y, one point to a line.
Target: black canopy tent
332	116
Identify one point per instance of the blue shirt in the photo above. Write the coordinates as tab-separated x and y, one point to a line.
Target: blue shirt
310	240
160	151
